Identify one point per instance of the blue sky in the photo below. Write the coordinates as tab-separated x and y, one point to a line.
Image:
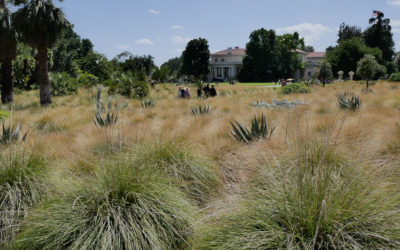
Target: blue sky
162	28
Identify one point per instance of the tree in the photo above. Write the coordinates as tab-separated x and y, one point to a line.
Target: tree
262	57
95	64
346	55
160	74
367	68
379	35
289	60
196	58
325	72
40	24
347	32
397	61
8	50
173	64
309	49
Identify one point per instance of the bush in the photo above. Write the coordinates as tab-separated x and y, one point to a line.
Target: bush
124	205
259	130
22	186
129	85
349	101
395	77
63	84
295	88
317	198
195	176
87	80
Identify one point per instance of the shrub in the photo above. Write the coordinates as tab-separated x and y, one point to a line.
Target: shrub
22	186
147	104
63	84
4	114
87	80
201	110
349	101
395	77
105	115
295	88
317	198
259	130
130	86
124	205
195	176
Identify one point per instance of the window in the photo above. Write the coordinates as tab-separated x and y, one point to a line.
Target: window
222	60
216	60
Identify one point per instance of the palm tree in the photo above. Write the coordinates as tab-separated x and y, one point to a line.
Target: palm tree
8	50
40	24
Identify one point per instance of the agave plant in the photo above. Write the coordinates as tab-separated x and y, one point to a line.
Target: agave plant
148	104
259	130
201	110
349	101
11	135
105	117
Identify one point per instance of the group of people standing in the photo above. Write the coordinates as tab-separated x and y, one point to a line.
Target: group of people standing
208	92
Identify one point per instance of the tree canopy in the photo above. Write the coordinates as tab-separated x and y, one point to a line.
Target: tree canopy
196	58
347	32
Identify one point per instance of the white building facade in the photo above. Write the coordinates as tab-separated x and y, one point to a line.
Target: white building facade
226	64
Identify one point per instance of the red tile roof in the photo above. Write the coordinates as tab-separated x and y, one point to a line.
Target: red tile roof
235	51
316	55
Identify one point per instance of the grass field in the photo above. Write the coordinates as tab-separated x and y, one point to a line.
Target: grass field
163	178
249	84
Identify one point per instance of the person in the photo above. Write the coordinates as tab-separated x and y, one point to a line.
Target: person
213	92
187	93
199	92
183	91
283	83
207	90
180	92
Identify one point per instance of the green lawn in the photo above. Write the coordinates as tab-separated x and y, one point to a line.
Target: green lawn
248	84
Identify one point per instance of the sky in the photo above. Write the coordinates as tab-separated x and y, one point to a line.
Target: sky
162	28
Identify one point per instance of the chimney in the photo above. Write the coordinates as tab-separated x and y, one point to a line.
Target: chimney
230	50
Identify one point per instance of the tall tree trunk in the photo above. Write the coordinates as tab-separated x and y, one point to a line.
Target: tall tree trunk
45	95
7	85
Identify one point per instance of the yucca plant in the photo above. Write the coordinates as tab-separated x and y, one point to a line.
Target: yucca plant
349	101
259	130
12	134
148	104
201	110
105	117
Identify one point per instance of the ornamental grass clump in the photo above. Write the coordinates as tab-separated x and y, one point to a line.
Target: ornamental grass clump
315	198
123	205
196	176
22	186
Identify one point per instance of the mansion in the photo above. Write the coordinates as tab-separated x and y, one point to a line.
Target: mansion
226	64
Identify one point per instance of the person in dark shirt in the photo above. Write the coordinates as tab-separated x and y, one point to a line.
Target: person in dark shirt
182	92
207	90
213	92
199	92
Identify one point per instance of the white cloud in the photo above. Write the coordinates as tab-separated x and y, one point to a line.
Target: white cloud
393	2
395	22
311	32
180	40
122	47
178	27
154	12
144	41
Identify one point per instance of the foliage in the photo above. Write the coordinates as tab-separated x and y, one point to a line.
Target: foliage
314	198
349	101
105	115
201	110
4	114
160	75
12	134
295	88
126	62
347	32
395	77
346	55
24	67
196	59
22	186
122	205
325	72
367	68
130	85
259	130
269	56
63	84
96	64
379	35
87	80
174	65
147	104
